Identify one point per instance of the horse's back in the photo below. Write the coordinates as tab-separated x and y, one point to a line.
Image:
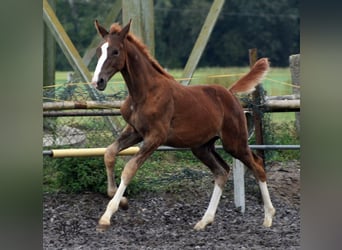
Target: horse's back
209	97
199	114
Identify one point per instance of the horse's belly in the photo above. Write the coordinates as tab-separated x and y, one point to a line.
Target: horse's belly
190	136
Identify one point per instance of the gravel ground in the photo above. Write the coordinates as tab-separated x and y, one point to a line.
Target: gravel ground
166	220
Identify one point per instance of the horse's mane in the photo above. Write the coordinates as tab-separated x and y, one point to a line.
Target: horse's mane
116	28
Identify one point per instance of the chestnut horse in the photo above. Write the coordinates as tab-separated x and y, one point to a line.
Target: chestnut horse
160	111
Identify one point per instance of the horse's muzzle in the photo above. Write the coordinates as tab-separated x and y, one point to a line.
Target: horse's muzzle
100	84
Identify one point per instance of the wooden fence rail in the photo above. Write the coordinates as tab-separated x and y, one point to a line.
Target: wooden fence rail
272	104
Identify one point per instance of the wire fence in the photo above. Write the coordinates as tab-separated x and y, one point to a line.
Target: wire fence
75	129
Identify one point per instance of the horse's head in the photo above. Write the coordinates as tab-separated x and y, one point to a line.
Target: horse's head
111	55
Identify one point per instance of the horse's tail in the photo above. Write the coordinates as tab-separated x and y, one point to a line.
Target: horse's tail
252	78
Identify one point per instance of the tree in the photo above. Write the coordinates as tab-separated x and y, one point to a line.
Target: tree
270	26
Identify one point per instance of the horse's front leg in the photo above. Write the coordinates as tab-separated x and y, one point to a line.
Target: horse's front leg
126	176
127	138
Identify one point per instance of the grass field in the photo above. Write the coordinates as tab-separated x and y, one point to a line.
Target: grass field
277	82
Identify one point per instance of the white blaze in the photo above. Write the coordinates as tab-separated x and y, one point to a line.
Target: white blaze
100	62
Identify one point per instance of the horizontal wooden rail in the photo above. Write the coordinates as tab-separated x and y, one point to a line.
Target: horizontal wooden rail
272	104
282	106
67	105
102	112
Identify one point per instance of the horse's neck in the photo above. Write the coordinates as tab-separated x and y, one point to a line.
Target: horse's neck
138	73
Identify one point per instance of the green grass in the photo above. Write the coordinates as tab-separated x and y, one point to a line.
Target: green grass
276	82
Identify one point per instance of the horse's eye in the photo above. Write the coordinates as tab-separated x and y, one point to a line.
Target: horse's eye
115	52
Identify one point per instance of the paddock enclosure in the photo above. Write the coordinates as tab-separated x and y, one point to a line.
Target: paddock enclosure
77	117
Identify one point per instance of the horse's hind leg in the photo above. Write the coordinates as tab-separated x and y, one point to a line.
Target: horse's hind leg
126	139
261	176
255	163
207	154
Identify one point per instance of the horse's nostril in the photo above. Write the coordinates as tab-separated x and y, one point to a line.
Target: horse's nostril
101	84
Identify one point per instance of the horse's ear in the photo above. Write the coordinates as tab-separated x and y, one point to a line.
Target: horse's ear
102	31
125	30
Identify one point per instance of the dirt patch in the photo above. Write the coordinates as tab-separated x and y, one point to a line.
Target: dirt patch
166	220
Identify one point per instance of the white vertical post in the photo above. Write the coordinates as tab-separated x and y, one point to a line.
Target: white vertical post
239	184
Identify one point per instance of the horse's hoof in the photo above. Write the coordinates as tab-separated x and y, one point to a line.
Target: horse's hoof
269	217
123	203
111	192
102	228
206	220
199	226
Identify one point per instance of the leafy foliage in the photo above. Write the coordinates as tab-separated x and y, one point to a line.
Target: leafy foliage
283	134
79	174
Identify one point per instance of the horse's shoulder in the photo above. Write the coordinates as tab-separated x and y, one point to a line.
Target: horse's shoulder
126	107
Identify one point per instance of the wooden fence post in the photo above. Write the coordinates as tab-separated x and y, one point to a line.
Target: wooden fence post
49	64
49	67
257	101
295	76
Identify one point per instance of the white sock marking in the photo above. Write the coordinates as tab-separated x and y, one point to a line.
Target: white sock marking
209	215
268	207
113	204
265	194
100	62
214	201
